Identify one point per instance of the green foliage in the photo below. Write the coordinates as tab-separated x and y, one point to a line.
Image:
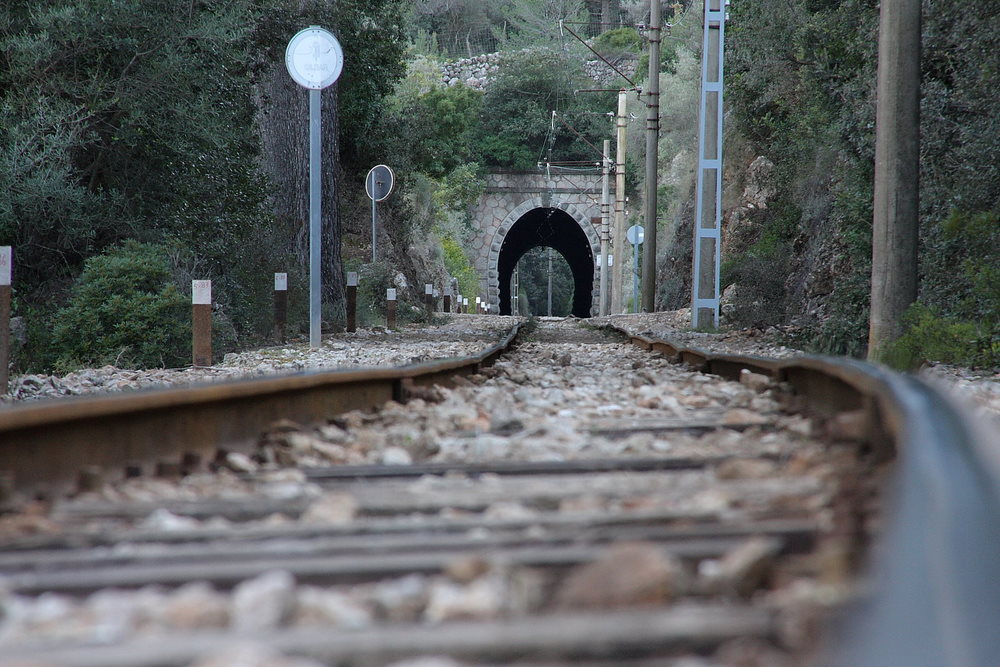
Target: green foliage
124	310
935	338
618	41
435	128
517	128
122	119
800	79
458	266
373	281
958	317
533	268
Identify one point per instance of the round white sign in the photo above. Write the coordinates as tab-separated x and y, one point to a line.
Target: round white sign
314	58
635	234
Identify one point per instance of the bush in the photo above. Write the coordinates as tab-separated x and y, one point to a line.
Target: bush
931	337
123	310
459	267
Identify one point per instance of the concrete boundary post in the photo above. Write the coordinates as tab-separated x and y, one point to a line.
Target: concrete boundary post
6	261
201	305
280	306
390	308
352	301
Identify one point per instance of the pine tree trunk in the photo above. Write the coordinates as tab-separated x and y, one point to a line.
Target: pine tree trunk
283	115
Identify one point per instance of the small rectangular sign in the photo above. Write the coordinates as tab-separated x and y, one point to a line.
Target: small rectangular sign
447	291
477	299
201	292
428	288
465	301
280	282
611	260
390	294
352	278
6	259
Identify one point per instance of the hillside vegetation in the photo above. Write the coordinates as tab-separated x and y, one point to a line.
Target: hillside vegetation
168	136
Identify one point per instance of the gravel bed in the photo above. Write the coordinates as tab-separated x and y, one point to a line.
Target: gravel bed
675	325
547	401
461	335
978	390
550	400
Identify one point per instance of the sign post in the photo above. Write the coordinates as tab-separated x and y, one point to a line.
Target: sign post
314	60
635	236
378	184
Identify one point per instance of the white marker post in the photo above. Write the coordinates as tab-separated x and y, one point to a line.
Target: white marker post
390	308
429	300
280	305
352	301
6	262
314	59
201	306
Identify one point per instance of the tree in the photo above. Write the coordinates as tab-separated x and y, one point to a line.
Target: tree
518	129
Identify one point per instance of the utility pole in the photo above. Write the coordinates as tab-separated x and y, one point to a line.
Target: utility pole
618	239
652	155
605	226
896	222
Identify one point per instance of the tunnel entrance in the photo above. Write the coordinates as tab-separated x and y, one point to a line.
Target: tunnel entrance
556	229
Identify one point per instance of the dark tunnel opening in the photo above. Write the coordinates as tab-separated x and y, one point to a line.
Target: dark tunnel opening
556	229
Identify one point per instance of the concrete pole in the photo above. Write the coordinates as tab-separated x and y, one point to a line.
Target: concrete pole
605	226
896	222
652	155
618	239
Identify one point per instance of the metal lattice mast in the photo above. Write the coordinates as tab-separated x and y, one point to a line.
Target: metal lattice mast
708	213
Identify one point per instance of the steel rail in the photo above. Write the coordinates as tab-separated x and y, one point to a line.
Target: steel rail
45	446
935	598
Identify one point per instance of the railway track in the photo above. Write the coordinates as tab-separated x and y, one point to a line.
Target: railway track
575	499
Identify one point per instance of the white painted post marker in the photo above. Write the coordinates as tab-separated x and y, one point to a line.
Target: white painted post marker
6	261
201	300
390	308
280	305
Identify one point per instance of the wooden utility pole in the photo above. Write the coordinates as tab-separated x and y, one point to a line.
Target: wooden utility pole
895	226
618	239
652	155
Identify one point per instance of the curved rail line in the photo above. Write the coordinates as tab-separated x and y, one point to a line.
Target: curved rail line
937	600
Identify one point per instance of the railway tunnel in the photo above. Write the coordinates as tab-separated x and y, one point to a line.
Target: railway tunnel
556	229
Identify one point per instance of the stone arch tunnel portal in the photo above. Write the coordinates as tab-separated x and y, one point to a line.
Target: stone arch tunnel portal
554	228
